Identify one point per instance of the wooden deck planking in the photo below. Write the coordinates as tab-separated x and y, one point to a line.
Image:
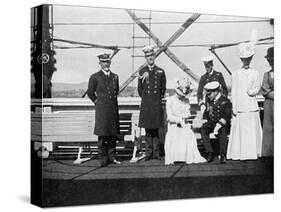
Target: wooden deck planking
155	169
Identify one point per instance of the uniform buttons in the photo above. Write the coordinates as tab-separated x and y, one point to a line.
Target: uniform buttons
148	91
155	91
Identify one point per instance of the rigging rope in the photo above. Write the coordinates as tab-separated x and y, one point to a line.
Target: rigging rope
237	43
168	22
212	46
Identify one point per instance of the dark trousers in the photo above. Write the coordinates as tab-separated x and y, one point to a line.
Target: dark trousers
152	143
107	148
205	131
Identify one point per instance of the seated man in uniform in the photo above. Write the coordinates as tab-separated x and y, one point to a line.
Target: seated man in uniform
217	116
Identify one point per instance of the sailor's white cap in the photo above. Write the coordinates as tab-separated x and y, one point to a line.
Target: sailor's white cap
104	56
207	59
211	86
148	49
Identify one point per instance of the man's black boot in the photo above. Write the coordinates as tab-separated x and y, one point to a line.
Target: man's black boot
222	158
210	157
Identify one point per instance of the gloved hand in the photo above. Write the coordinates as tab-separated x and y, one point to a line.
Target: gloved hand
216	130
202	108
184	123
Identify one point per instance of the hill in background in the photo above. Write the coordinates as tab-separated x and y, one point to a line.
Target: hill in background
72	90
76	90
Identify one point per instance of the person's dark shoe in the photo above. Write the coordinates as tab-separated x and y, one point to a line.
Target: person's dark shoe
147	158
210	157
102	163
222	158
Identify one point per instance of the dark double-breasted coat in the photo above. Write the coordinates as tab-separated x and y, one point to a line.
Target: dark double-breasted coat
151	89
205	78
267	90
217	112
220	112
103	91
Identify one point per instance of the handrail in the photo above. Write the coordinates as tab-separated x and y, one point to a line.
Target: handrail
122	101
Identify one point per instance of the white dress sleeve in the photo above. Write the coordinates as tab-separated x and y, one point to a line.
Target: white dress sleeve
171	117
233	93
254	85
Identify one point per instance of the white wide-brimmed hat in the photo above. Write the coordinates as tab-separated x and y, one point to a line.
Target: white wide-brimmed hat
246	50
181	84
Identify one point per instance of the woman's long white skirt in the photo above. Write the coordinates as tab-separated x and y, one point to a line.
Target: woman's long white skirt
181	146
245	140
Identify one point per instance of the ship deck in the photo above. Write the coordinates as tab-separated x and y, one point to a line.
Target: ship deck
66	183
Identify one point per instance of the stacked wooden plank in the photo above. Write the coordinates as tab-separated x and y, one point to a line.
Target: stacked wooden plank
65	131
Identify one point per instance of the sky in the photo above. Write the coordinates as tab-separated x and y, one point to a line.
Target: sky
76	65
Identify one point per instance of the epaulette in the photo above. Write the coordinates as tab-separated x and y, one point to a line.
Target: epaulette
142	70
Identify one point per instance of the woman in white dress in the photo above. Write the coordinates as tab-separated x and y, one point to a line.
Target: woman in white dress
245	139
180	143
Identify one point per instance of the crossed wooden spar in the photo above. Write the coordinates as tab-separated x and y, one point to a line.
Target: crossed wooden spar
163	47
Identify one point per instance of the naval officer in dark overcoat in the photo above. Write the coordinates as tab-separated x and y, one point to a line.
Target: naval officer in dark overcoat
210	76
151	89
217	116
103	89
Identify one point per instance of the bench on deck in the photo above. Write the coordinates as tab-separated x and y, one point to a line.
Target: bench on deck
63	133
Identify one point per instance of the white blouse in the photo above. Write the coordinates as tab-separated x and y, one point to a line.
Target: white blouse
245	86
177	109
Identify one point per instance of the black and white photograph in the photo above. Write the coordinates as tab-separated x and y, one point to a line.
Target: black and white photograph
131	105
140	105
